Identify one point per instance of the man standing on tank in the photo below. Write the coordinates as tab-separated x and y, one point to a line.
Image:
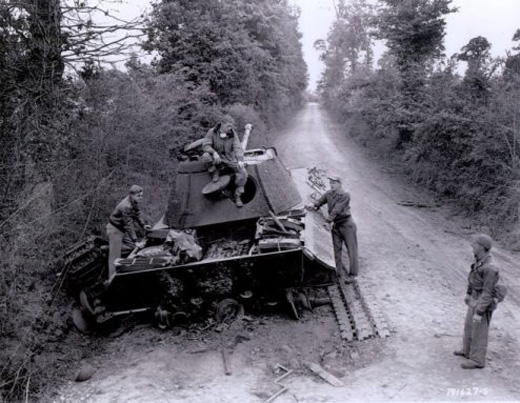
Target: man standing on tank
124	226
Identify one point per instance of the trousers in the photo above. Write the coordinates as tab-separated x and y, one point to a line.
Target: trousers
240	173
115	243
475	339
346	233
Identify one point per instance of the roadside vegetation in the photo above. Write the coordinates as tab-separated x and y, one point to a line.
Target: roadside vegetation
75	135
457	134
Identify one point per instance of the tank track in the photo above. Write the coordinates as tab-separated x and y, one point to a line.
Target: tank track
357	318
84	263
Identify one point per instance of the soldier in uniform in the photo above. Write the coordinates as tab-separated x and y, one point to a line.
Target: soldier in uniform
124	226
341	224
481	302
221	148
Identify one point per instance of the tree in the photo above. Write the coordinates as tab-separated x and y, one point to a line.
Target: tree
245	52
512	62
480	67
38	130
413	31
348	49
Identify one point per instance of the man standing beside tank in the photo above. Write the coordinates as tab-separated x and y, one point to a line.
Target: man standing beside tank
480	298
124	225
222	149
341	224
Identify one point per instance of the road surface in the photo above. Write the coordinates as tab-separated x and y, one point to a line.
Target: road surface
414	261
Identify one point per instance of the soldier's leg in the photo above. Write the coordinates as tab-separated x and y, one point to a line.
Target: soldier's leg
348	231
210	166
337	243
479	339
240	173
468	325
240	179
350	236
115	241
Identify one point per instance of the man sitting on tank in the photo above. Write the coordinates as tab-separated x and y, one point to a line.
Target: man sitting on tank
222	149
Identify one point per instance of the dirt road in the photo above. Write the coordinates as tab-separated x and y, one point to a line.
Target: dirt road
413	260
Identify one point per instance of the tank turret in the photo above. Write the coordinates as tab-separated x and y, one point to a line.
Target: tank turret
269	189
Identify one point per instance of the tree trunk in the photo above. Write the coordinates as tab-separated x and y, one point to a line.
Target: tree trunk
46	60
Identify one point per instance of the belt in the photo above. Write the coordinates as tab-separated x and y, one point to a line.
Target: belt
341	220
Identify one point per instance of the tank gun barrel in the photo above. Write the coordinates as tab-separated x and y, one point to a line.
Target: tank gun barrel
247	132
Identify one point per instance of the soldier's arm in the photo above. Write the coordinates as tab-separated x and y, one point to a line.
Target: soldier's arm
488	288
207	144
140	217
321	201
128	223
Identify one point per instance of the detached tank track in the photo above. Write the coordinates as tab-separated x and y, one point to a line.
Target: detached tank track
342	315
357	318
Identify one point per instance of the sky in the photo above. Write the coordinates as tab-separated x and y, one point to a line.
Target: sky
496	20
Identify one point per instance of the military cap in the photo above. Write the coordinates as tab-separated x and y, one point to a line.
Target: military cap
333	177
135	189
483	240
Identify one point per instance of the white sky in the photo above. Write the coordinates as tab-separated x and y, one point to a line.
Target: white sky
496	20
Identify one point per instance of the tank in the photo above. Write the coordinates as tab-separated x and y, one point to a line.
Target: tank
209	257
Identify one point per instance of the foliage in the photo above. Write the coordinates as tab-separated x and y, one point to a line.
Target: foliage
456	135
412	29
243	52
72	146
348	50
480	68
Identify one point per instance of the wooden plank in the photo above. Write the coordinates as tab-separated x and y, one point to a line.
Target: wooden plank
327	376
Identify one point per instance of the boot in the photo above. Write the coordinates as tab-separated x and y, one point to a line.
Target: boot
215	176
349	279
238	200
470	364
460	353
238	196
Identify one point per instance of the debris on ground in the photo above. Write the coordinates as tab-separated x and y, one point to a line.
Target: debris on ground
84	373
318	370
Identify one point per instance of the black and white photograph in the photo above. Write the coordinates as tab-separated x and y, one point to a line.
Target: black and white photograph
259	201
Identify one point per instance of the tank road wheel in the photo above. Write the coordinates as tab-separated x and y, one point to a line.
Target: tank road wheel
162	318
228	310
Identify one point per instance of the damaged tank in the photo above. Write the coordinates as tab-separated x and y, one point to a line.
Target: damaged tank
207	256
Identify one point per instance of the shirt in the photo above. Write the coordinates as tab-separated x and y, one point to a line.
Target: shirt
338	204
228	148
125	216
482	278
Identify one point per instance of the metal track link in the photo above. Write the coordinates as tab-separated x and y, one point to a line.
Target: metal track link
364	328
357	318
338	303
374	312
